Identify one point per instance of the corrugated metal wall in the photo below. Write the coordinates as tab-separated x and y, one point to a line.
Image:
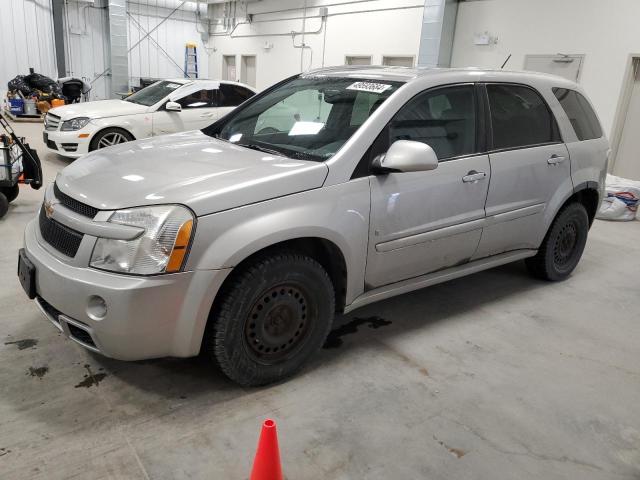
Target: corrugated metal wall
26	32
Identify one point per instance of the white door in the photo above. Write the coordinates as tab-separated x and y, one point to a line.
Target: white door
627	162
198	111
229	68
425	221
248	73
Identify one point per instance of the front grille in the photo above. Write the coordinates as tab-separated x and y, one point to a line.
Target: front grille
73	204
50	309
60	237
51	121
81	335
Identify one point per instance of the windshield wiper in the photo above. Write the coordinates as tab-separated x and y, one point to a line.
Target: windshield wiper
260	148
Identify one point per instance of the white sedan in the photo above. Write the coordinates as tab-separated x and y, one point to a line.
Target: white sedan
167	106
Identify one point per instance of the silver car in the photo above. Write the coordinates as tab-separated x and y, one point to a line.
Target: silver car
328	191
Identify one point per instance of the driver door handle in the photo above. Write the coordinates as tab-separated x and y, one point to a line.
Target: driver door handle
474	176
555	159
207	115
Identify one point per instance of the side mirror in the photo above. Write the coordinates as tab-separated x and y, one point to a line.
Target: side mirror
173	107
406	156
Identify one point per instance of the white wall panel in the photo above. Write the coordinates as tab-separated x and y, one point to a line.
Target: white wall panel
374	28
605	32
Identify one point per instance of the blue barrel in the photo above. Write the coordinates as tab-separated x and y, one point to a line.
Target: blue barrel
17	106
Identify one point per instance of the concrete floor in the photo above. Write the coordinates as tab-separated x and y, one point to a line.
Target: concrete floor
494	376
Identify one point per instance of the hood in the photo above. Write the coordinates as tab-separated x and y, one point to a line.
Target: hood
99	109
189	168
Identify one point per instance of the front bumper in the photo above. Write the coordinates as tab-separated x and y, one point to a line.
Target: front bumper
147	317
68	144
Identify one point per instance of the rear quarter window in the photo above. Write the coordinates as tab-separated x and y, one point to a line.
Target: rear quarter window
582	117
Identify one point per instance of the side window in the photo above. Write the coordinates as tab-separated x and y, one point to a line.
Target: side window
444	119
232	95
199	99
520	117
581	115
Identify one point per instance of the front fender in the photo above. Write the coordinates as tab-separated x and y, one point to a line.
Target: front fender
339	214
138	125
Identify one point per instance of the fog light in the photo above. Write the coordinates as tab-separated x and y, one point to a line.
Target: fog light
97	307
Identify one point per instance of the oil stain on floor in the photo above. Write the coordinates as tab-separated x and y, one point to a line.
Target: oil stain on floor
91	379
334	339
23	344
38	371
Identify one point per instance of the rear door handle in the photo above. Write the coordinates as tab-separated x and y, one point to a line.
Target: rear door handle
474	176
555	159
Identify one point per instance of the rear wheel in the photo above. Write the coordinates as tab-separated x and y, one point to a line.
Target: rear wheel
274	314
563	245
11	192
109	137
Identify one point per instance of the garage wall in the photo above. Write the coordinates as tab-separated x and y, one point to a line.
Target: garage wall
159	56
606	32
26	32
377	28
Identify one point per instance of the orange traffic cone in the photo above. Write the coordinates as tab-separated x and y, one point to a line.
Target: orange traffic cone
266	465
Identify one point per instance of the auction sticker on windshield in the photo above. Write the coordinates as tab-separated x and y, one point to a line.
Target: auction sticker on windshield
369	87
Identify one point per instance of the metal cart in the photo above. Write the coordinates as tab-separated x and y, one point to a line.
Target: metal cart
19	163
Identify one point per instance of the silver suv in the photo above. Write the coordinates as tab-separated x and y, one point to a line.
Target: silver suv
328	191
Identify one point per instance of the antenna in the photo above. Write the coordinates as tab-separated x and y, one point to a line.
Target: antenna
505	62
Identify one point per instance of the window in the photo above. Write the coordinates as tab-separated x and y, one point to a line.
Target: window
199	99
444	119
581	115
232	95
357	60
520	117
153	93
307	117
397	61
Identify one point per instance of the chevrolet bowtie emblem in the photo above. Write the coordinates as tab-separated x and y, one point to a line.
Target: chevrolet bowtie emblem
48	209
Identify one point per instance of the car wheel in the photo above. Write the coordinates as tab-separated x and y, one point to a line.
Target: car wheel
109	137
11	192
4	205
273	315
563	245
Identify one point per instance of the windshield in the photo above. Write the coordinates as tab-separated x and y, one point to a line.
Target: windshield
153	93
307	118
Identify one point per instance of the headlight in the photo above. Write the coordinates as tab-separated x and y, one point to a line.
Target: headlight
74	124
162	248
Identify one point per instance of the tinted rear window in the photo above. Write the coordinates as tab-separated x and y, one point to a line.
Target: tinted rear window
520	117
581	115
233	95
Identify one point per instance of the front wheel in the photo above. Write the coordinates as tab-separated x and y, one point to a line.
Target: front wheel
273	315
109	137
11	192
563	245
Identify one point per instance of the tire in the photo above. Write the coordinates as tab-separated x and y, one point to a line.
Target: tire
11	192
4	205
562	246
273	315
109	137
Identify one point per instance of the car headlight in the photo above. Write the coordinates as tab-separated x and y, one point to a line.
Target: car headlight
74	124
162	248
